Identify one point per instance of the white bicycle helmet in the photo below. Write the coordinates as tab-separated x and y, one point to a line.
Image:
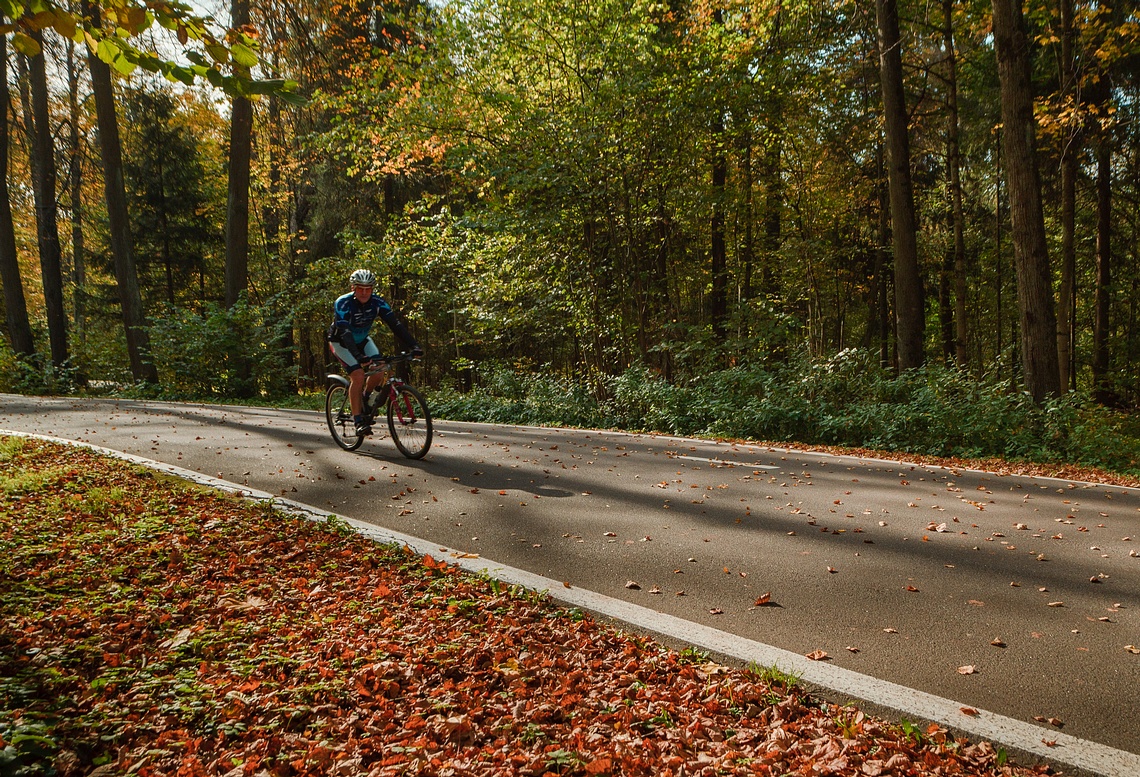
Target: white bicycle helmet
362	278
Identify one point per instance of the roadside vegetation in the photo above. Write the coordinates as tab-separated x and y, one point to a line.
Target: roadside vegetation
152	627
845	401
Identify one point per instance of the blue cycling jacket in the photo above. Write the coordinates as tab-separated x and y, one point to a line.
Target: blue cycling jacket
349	314
354	318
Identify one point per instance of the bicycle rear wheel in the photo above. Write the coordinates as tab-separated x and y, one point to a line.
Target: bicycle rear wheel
338	413
409	421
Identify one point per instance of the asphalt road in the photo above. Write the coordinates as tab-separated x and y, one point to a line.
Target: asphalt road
906	573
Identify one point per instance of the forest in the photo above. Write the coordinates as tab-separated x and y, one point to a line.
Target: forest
777	220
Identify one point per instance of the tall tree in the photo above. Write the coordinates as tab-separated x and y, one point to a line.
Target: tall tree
718	296
47	224
1070	150
75	187
954	166
15	306
1101	307
909	313
126	276
237	207
1031	256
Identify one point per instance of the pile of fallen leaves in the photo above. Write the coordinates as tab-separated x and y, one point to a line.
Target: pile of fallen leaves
149	627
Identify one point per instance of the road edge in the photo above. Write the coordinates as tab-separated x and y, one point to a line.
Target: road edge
1056	747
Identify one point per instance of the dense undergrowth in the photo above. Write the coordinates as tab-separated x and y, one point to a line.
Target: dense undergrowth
845	401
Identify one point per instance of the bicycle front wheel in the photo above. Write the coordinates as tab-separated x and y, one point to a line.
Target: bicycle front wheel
338	413
409	421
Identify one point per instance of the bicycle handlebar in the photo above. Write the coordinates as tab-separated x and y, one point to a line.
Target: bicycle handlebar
388	361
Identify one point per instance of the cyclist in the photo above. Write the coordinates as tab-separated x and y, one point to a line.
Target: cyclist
348	339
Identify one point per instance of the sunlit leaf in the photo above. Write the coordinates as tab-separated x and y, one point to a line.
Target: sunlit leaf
25	45
244	55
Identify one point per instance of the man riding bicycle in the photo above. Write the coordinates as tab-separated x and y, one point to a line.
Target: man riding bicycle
348	339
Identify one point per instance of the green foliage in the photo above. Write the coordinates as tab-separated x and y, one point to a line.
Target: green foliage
35	374
202	355
848	400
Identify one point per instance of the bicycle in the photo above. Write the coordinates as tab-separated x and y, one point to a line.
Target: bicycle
409	420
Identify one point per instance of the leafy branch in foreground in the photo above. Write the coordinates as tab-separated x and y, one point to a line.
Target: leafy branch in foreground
111	27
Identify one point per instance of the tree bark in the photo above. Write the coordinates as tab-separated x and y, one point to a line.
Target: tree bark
15	306
237	205
47	223
718	297
75	184
909	308
1031	256
954	164
1100	363
126	276
1070	149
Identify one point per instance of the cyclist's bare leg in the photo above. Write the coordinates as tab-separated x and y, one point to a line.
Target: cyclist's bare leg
376	379
356	391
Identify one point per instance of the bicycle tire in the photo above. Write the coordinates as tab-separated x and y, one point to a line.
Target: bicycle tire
338	414
409	422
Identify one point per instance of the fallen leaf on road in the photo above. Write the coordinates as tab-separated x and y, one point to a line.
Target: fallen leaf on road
1132	649
716	611
1055	722
818	655
632	585
1056	604
912	589
852	649
968	669
1049	742
763	599
977	603
968	711
997	642
832	570
891	631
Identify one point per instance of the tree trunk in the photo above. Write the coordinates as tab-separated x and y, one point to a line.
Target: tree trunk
1102	392
237	205
882	261
75	184
47	224
954	163
1070	148
909	313
126	277
718	296
747	246
15	306
1034	284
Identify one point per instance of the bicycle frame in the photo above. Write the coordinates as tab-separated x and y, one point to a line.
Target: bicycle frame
409	419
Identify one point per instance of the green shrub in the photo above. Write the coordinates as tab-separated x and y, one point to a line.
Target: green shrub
846	400
222	352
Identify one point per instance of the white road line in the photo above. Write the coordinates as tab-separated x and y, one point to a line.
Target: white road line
1064	750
